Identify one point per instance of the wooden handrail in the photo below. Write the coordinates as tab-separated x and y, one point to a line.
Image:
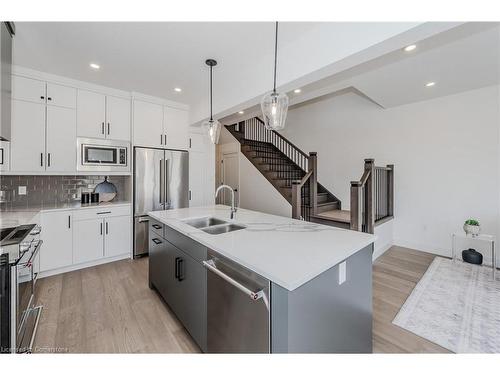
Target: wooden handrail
372	197
304	179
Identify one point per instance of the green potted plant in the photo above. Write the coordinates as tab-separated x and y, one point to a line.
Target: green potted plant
472	227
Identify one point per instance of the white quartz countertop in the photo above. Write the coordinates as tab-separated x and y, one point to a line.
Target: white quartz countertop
286	251
26	215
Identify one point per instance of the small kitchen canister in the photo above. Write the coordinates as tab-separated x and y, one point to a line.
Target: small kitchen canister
85	199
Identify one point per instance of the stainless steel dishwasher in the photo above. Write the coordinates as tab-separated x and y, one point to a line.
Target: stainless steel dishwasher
238	313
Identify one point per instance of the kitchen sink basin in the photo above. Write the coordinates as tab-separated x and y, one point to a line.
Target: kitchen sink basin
204	222
225	228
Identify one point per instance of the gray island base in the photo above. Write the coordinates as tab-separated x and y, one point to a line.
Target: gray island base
229	308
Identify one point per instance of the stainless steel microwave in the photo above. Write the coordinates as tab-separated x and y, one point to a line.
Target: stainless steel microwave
101	155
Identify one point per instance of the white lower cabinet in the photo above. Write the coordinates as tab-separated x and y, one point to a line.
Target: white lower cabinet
88	240
57	236
82	236
116	235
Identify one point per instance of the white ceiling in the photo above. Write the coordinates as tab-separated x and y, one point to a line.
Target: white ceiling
148	57
463	64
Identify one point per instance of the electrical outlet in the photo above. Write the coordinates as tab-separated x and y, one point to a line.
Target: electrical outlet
342	272
22	190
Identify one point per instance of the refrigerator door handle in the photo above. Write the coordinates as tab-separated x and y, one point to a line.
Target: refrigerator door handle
166	201
162	182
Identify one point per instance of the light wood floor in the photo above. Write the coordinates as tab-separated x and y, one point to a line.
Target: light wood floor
395	274
110	309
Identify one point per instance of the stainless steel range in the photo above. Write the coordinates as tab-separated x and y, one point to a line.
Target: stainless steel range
20	247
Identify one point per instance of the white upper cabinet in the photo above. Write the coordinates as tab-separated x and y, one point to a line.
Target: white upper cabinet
101	116
91	109
61	96
36	91
148	124
117	118
175	127
31	90
61	137
28	136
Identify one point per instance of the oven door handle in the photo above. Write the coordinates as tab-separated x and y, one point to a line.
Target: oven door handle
29	262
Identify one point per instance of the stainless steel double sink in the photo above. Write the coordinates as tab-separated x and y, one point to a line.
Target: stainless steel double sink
212	225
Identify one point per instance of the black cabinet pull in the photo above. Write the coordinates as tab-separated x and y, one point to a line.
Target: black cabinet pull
106	227
156	226
161	139
69	221
103	212
49	98
101	229
109	127
42	97
102	128
177	268
41	159
48	160
156	241
181	273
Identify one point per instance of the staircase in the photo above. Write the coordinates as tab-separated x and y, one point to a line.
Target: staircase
294	175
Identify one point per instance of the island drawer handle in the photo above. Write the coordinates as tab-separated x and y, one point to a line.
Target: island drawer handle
210	265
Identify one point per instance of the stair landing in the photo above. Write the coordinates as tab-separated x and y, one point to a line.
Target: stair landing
343	216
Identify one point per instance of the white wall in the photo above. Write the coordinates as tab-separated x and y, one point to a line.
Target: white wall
255	192
445	151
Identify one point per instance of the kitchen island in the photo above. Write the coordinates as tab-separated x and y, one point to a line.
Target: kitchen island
310	284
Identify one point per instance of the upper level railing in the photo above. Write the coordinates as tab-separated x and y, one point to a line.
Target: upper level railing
254	129
372	197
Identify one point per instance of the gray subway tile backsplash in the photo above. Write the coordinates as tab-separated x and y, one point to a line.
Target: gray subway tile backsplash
42	190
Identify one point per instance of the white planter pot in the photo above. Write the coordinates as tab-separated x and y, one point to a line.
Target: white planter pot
473	230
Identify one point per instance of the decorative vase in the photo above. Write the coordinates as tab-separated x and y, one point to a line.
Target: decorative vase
473	230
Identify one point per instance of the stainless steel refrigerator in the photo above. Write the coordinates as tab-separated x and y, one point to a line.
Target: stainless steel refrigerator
161	182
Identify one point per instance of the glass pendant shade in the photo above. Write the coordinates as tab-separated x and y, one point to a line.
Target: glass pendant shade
274	109
213	128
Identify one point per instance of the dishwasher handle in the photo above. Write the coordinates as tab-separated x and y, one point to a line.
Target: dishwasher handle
210	265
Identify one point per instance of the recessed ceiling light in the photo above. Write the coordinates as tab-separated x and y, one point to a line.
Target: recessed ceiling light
409	48
95	66
430	84
177	89
241	112
297	91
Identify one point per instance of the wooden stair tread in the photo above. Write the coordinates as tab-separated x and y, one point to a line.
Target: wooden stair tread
342	216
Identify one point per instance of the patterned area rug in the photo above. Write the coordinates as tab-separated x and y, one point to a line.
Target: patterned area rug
455	305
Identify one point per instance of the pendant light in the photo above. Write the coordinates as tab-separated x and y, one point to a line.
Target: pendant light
213	126
274	105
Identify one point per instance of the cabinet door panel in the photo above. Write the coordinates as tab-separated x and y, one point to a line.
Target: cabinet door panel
162	269
61	139
91	108
148	124
62	96
28	89
117	238
197	178
175	122
88	240
191	286
28	137
117	118
57	236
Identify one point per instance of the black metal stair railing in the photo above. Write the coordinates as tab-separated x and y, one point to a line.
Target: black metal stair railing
254	130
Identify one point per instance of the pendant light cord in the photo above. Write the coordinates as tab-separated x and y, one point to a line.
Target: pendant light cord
211	118
275	56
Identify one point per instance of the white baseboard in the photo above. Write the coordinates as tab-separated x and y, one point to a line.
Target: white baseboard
379	250
80	266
